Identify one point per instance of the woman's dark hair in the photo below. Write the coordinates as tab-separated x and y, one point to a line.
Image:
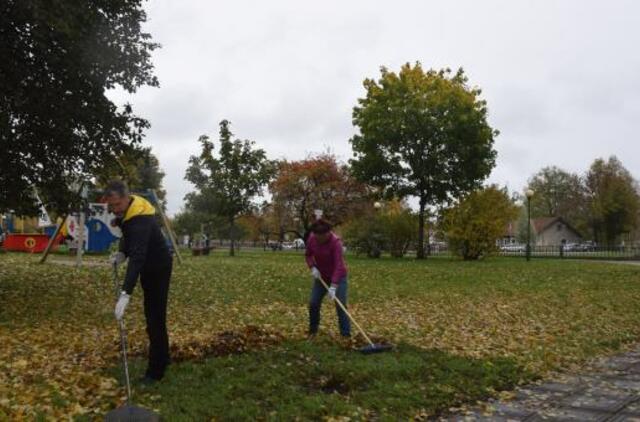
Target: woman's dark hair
320	226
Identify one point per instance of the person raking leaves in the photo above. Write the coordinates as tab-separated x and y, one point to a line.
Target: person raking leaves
149	259
324	258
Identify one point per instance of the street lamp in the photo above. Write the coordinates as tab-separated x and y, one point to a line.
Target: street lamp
529	194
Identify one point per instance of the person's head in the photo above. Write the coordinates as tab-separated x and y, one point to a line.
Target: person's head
321	229
117	195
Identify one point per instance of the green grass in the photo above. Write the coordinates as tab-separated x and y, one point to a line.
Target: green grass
312	381
464	331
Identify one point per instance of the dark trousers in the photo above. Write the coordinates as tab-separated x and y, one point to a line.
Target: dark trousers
318	291
155	284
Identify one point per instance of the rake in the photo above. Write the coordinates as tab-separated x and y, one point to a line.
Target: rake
371	347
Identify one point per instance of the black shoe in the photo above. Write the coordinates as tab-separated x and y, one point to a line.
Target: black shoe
148	381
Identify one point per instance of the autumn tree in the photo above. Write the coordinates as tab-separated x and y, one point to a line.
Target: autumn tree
423	134
318	182
475	224
259	223
57	125
614	202
227	182
559	193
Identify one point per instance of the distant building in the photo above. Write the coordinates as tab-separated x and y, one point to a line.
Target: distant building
546	231
510	235
553	231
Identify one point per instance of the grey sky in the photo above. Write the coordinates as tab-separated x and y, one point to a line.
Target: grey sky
562	78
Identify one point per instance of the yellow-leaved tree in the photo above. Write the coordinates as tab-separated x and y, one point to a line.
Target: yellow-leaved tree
474	225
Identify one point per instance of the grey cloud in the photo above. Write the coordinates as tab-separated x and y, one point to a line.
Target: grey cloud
562	79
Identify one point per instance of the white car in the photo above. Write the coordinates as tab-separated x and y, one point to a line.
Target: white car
513	248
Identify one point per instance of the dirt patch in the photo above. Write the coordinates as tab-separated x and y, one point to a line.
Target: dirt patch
330	385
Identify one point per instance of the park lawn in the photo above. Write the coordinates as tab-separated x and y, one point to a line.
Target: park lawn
464	331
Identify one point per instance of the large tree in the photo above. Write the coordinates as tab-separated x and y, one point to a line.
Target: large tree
614	202
227	183
57	60
423	134
319	182
558	193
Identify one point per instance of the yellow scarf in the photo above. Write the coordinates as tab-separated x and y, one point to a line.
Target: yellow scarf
139	206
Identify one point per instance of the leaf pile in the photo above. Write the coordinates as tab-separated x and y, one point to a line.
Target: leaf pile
225	343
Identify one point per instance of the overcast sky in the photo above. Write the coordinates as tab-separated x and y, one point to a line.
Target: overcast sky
562	78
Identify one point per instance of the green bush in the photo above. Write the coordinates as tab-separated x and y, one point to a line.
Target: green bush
392	229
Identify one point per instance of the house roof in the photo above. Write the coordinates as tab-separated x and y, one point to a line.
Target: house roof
538	225
541	224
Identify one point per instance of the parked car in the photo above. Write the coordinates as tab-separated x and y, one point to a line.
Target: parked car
571	247
514	247
295	244
588	246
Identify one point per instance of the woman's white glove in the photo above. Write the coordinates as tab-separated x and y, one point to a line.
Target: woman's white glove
121	305
332	292
316	273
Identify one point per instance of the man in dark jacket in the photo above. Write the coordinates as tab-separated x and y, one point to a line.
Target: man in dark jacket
149	258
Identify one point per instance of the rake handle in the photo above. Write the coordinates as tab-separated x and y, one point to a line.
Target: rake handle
347	312
123	337
123	343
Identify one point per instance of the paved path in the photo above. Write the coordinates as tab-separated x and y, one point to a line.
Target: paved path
623	262
607	390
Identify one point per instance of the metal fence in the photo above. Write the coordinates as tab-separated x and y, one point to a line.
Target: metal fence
441	250
594	252
630	253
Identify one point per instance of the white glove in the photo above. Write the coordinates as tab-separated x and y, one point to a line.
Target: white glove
121	305
316	273
117	258
332	292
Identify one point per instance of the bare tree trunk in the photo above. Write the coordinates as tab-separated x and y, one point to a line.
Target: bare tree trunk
420	250
232	251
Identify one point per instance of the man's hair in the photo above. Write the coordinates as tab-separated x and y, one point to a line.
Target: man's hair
116	187
320	226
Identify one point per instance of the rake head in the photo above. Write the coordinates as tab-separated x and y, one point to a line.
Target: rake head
370	349
130	413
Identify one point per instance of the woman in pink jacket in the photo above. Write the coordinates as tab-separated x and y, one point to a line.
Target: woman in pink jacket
324	258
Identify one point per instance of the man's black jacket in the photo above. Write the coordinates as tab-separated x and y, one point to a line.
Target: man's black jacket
142	242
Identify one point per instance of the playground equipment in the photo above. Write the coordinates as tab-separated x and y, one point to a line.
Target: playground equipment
25	234
97	235
92	229
27	242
